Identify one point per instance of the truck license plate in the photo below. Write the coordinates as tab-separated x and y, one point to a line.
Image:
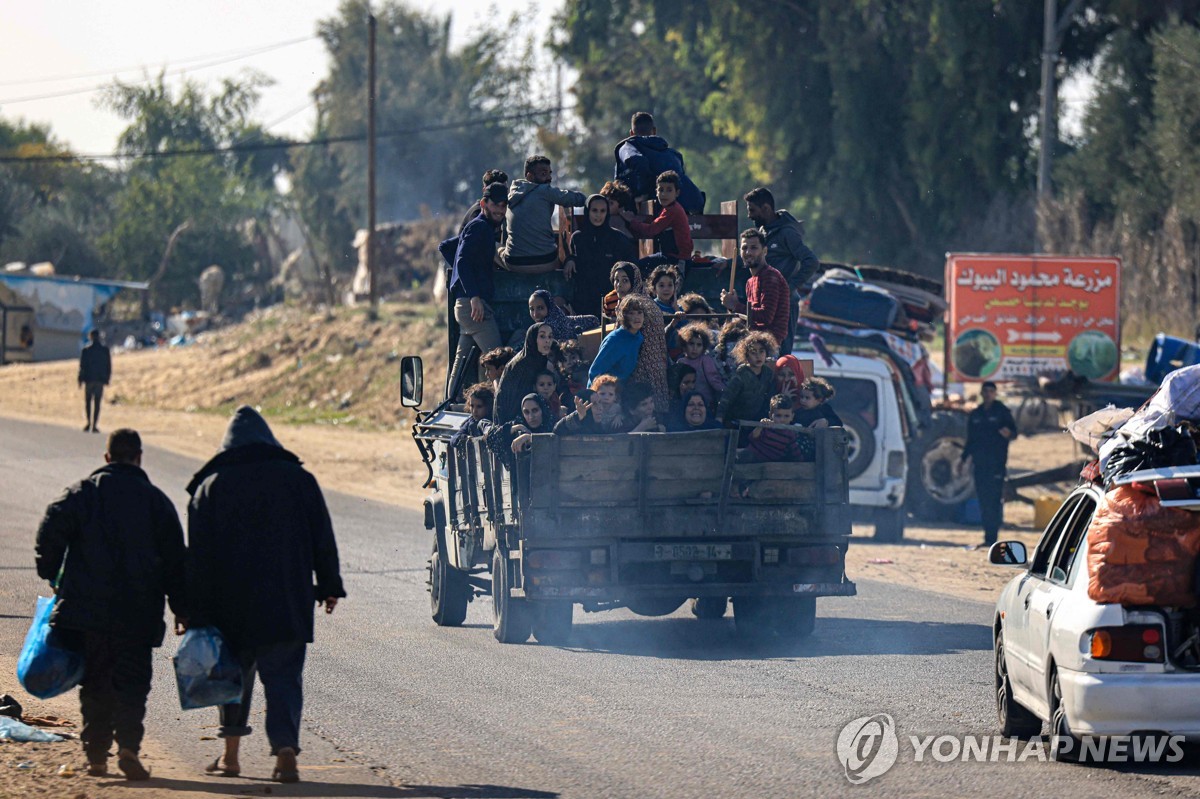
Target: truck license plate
693	551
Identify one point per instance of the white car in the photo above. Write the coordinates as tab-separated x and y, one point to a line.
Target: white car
1092	669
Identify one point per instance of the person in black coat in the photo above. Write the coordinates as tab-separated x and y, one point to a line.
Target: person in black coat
95	370
989	429
113	546
258	530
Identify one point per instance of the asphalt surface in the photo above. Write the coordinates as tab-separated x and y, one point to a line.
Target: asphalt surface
632	707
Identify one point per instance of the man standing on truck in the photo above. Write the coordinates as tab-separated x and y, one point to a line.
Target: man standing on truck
531	248
786	250
471	284
645	155
989	429
767	292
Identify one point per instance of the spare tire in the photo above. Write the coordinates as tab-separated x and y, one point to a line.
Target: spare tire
860	444
938	481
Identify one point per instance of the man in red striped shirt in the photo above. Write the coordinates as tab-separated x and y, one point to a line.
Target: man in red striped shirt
767	292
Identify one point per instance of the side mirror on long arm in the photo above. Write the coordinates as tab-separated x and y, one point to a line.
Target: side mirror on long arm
412	381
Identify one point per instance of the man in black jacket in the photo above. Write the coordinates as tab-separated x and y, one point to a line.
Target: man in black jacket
258	529
989	429
786	251
123	549
95	369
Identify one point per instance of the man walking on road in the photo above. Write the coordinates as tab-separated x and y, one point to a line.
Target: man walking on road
95	369
117	542
989	429
258	530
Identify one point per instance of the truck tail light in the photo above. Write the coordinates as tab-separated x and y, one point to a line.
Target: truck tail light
1133	643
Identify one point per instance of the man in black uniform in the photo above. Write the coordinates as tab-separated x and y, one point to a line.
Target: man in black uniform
989	429
113	547
95	370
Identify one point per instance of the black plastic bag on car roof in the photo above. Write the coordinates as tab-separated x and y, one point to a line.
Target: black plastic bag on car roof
1167	446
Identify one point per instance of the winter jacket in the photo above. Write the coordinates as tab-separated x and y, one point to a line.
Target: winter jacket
595	249
618	355
786	250
670	230
527	221
768	303
123	546
985	446
747	396
641	159
258	530
519	377
474	261
710	383
95	364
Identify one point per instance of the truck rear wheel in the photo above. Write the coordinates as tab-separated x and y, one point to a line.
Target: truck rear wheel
449	591
510	616
938	482
552	622
709	607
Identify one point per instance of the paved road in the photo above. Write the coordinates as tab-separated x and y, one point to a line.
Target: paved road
633	707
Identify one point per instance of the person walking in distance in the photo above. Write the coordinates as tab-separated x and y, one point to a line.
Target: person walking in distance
118	545
258	530
95	370
990	428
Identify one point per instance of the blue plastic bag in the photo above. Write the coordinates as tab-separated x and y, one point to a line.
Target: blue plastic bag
13	730
46	668
206	671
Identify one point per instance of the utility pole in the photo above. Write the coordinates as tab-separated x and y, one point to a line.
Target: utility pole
1053	30
372	260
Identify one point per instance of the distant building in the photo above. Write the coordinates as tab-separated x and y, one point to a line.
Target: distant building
47	317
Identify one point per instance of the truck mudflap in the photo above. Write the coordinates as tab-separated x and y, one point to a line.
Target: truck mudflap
625	593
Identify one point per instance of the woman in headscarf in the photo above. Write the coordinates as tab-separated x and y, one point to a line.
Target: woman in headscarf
594	248
789	376
653	360
520	374
513	436
542	308
623	277
693	414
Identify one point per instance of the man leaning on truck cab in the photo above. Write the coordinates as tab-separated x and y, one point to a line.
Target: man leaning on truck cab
471	283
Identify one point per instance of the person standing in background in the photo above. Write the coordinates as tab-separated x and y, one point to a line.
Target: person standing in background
990	428
95	370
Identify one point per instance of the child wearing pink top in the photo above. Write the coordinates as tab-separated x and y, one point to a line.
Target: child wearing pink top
709	382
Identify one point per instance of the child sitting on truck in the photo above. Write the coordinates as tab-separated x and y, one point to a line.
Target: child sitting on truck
493	363
709	380
780	442
546	386
813	399
670	229
748	394
637	400
479	398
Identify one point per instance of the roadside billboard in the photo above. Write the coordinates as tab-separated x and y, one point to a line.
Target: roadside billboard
1017	316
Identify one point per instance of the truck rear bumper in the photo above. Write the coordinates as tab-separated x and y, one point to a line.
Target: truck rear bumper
620	593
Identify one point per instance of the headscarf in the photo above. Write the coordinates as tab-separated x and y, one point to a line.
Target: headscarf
677	423
565	328
593	236
652	358
793	365
500	437
520	375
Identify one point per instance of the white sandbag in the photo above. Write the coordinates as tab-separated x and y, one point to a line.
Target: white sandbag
1096	428
1177	400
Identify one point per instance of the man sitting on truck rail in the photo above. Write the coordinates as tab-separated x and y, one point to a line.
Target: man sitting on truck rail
471	283
767	292
531	247
645	155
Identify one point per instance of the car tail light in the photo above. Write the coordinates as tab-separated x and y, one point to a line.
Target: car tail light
1176	488
896	460
554	559
1134	643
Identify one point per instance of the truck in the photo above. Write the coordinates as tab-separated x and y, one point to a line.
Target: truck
643	521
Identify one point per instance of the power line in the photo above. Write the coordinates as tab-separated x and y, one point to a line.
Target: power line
255	147
140	67
181	71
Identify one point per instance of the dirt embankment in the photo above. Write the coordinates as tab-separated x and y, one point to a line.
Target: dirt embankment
328	384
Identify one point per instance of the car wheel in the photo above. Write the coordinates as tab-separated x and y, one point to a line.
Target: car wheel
552	622
1016	721
860	445
938	482
1064	745
709	607
510	616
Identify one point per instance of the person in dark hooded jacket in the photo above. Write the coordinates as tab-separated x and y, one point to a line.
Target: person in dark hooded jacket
594	249
645	155
258	530
113	546
786	251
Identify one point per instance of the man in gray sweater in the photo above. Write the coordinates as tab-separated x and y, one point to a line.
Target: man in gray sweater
530	247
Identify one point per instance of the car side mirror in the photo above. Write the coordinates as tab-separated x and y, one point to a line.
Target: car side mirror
1007	553
412	381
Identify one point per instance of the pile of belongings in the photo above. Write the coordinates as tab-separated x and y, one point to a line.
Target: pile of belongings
1140	552
878	298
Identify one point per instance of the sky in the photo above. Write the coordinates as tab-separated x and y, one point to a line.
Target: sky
91	43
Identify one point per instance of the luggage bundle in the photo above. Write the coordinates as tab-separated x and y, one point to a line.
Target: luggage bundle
845	297
1140	551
